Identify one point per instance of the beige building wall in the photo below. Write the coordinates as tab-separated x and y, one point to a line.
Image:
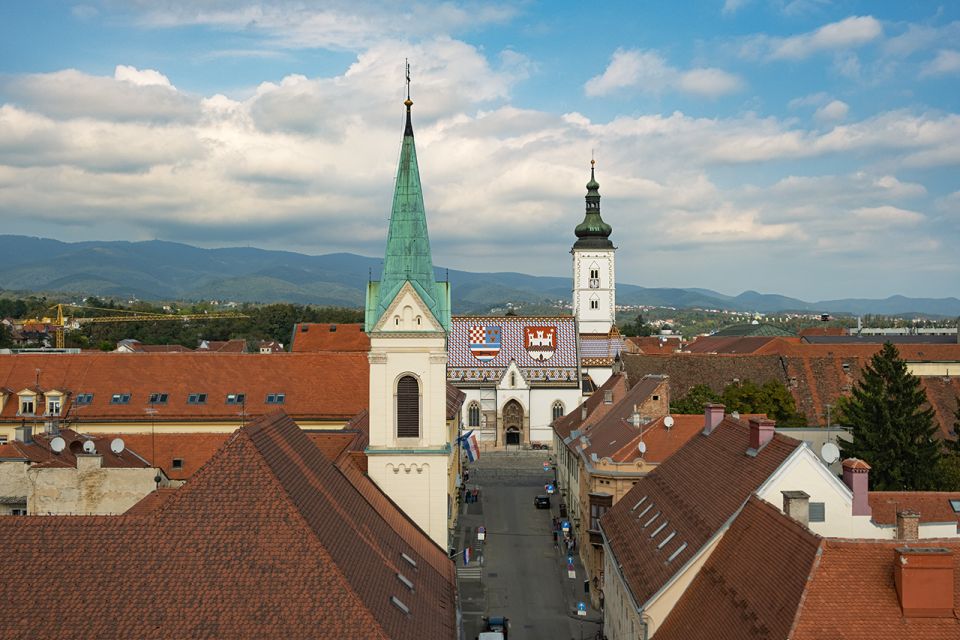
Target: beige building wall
87	489
14	485
939	369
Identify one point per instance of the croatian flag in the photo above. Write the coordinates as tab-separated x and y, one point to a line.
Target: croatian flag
466	556
470	445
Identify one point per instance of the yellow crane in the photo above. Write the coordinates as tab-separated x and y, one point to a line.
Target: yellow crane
58	323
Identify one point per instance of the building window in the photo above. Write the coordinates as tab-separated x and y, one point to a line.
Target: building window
513	379
594	303
3	439
158	398
53	406
594	276
120	398
197	398
599	504
26	405
84	399
473	415
177	463
818	512
236	398
18	512
276	398
557	410
408	407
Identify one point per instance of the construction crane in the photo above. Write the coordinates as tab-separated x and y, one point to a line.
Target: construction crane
58	323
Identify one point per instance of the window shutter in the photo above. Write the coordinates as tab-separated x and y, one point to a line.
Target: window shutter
408	408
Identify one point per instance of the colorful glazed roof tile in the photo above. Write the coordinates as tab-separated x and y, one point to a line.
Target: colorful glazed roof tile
600	350
270	539
480	348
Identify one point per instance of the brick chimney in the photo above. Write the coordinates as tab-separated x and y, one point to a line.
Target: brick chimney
856	475
908	525
796	504
712	417
924	579
761	432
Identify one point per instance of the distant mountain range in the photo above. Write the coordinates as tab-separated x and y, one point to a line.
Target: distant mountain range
158	270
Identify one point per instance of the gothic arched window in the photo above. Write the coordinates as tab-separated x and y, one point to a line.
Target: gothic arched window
408	407
557	410
473	415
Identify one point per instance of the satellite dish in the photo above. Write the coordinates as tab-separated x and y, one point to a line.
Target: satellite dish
116	445
58	444
735	415
642	447
89	447
830	453
668	422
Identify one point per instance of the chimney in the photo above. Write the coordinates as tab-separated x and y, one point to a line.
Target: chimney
796	504
908	525
856	475
924	579
24	434
761	432
712	417
89	462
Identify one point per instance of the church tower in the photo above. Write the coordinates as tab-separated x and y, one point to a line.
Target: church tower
594	288
410	453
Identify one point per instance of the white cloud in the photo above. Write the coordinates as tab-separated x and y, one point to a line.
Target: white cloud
648	71
142	77
946	62
920	37
832	111
732	6
888	215
846	34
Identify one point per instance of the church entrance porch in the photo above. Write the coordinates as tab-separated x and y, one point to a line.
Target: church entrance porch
513	423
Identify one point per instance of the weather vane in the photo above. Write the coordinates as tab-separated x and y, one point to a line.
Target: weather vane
407	61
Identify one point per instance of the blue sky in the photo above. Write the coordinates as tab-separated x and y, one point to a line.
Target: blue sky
803	147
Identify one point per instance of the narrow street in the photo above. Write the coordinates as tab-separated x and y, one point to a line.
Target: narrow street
522	575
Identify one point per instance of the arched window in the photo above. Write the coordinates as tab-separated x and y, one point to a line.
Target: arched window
557	410
473	415
408	407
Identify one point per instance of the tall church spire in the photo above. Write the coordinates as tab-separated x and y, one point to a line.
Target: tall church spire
408	257
593	232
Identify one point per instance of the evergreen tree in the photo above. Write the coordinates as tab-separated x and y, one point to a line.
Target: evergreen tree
693	402
892	429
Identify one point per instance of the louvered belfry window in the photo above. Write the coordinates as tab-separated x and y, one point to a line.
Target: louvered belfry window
408	408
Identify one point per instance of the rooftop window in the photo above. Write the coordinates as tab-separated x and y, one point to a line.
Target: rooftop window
236	398
405	580
197	398
679	550
399	605
120	398
411	561
275	398
955	505
84	399
177	463
158	398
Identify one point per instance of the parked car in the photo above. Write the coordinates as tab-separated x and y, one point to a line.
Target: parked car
542	502
496	628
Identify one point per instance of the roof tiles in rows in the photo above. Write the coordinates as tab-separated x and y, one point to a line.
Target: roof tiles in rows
654	344
693	493
268	539
315	386
608	434
596	406
933	506
315	336
544	348
39	452
751	585
600	347
729	344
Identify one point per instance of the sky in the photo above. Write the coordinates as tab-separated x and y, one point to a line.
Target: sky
804	147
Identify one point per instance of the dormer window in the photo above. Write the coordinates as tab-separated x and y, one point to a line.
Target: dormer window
197	398
27	405
53	406
120	398
236	398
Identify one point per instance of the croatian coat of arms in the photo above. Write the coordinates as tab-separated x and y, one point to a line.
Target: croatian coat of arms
484	341
540	342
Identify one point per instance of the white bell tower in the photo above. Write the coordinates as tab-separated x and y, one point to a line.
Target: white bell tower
594	274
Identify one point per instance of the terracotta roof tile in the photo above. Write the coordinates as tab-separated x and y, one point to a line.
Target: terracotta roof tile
315	336
727	344
694	493
193	450
268	539
933	506
753	582
152	501
595	406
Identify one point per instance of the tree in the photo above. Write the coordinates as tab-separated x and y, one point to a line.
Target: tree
892	429
693	402
637	327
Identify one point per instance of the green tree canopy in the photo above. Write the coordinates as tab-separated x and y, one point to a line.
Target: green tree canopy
693	402
771	398
892	428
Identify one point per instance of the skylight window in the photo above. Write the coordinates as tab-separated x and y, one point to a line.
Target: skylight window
405	580
644	512
120	398
411	561
639	502
399	605
666	540
650	521
236	398
84	399
197	398
658	529
677	552
158	398
276	398
955	505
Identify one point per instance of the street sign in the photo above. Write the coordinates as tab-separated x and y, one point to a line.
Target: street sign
546	466
481	533
571	573
581	608
550	489
565	525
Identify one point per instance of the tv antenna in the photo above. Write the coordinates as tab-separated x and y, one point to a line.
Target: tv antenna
830	453
58	444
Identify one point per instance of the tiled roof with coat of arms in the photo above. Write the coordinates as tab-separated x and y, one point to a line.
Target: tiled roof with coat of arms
481	348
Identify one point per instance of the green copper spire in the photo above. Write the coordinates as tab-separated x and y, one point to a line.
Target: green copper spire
408	245
593	232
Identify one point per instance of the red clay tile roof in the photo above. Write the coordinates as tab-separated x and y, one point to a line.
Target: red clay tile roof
694	493
654	344
595	406
727	344
662	442
933	506
152	501
315	336
39	453
192	449
609	433
317	386
268	539
223	346
851	595
752	584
